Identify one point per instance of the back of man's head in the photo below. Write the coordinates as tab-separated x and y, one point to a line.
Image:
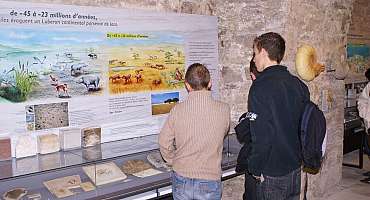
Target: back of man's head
367	74
197	76
273	43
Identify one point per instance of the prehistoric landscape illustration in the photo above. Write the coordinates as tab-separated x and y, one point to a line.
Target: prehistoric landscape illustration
38	64
162	103
154	64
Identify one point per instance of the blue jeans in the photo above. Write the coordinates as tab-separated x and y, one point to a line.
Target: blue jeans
286	187
189	188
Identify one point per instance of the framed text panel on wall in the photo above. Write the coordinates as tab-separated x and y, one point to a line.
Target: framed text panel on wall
116	71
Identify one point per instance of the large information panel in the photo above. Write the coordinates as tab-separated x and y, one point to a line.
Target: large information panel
109	74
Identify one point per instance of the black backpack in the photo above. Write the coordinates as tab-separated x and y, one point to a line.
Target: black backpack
312	134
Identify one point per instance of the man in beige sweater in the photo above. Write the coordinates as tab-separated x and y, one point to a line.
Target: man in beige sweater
191	139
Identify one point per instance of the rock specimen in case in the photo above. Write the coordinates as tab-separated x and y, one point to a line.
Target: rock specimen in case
157	161
48	143
91	136
135	166
15	194
101	174
26	146
87	186
147	172
70	138
5	148
61	187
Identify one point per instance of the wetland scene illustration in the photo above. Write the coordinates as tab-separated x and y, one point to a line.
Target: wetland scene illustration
38	64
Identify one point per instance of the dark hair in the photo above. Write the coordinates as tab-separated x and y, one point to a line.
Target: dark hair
273	43
367	74
197	76
253	67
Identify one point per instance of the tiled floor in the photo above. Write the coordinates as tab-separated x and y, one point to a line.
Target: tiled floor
351	187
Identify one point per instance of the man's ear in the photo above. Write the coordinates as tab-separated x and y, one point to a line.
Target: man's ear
253	77
209	86
264	52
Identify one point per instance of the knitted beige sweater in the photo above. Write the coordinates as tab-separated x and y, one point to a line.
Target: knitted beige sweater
191	139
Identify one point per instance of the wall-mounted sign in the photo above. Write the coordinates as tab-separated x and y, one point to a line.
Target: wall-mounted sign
70	66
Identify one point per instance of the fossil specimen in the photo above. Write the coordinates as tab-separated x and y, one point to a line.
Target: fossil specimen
147	172
26	146
48	143
101	174
15	194
70	138
5	149
60	187
91	136
87	186
135	166
156	160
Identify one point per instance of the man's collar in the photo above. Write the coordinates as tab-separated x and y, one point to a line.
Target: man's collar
272	69
196	93
270	64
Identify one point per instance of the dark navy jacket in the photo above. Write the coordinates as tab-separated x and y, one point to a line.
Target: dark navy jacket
276	99
243	134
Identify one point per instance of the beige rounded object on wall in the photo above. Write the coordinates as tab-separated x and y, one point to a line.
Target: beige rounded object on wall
306	63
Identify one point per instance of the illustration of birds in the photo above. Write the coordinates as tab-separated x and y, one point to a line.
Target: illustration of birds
38	60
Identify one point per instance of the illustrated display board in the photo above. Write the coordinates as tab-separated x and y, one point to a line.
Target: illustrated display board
358	56
118	71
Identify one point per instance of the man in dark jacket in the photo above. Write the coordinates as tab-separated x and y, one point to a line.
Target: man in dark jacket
275	104
243	135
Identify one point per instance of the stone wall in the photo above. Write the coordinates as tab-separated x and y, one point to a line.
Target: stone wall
323	24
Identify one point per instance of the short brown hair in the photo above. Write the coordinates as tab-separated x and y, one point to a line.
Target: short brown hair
273	43
197	76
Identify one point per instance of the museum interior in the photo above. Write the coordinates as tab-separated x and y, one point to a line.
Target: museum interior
85	86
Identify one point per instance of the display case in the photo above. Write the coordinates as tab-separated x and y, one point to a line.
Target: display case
353	89
354	129
114	170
